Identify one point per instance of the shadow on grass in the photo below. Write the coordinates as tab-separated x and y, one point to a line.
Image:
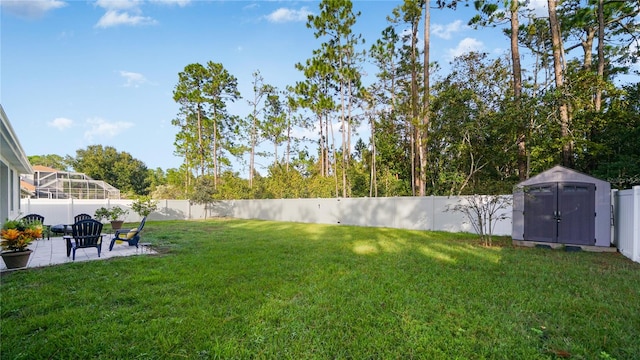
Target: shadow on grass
258	289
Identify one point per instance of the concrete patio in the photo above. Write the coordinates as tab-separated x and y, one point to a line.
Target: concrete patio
54	251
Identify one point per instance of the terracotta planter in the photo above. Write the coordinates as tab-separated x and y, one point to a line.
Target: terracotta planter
117	225
16	259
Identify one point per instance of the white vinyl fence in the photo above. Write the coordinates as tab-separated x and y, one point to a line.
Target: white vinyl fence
627	222
417	213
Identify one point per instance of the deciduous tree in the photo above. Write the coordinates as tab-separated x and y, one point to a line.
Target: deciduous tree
119	169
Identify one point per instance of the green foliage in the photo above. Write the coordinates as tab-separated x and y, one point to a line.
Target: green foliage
359	179
232	186
144	206
118	169
611	151
275	124
16	235
203	191
156	178
476	120
115	213
333	79
51	160
168	192
309	291
470	127
283	184
206	129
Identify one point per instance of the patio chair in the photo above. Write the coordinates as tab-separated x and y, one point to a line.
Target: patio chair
80	217
86	234
35	218
131	236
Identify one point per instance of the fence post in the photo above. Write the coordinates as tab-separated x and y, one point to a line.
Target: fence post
70	209
614	206
636	224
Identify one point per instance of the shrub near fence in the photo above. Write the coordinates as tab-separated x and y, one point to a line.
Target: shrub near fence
416	213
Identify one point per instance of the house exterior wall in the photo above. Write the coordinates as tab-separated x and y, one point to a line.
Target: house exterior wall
13	162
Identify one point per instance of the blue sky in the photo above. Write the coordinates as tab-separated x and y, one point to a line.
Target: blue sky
79	73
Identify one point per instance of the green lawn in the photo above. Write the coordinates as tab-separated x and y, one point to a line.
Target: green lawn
262	290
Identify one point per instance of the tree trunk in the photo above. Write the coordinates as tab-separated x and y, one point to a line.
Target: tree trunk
415	114
322	162
373	189
288	139
598	99
275	153
425	102
253	148
333	150
215	151
587	48
200	142
558	69
327	165
349	114
517	92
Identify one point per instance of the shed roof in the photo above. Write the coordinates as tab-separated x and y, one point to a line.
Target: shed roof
561	174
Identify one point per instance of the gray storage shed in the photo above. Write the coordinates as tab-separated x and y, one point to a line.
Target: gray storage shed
563	206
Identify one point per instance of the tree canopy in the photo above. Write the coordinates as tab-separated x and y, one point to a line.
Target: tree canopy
479	124
119	169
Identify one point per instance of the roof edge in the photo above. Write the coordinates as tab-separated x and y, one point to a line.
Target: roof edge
16	157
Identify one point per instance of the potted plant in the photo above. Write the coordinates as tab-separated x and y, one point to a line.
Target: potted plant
114	215
16	236
144	206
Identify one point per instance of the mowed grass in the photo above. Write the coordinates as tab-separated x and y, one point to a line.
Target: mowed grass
235	289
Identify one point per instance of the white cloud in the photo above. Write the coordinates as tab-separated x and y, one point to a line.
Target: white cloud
119	4
102	128
180	3
288	15
305	134
467	45
445	31
32	9
115	18
251	6
539	8
133	79
128	12
60	123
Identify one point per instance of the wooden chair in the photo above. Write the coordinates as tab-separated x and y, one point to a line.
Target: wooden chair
131	236
80	217
39	219
86	234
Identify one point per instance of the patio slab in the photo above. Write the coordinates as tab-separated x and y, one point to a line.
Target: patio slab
54	251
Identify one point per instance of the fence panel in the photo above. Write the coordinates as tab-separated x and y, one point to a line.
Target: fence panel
627	222
415	213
